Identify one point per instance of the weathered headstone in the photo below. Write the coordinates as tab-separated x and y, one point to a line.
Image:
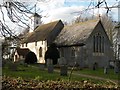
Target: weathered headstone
63	66
63	70
95	66
41	66
105	70
50	69
116	69
50	65
21	62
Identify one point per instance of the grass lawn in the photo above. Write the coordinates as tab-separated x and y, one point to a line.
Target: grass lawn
41	78
29	73
33	72
100	73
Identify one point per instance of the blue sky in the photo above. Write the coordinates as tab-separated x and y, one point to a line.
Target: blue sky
68	3
80	2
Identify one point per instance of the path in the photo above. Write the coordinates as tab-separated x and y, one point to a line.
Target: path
89	76
92	77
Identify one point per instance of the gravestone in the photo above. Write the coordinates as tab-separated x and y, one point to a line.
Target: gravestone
95	66
63	70
116	69
105	70
41	66
21	62
63	66
50	65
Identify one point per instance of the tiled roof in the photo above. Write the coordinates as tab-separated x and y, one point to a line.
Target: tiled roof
76	34
41	32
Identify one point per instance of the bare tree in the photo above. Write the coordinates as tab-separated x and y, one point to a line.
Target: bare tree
19	13
78	19
116	40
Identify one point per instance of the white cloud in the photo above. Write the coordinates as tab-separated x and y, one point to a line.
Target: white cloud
64	13
55	10
51	4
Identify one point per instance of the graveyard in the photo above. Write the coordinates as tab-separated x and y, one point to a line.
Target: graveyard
35	76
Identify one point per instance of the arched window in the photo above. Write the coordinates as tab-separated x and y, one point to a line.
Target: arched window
26	44
35	43
98	43
102	44
40	52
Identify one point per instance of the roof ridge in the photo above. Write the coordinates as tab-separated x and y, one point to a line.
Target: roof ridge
84	22
42	31
79	32
47	24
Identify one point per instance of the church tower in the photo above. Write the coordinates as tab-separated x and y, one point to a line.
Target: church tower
35	21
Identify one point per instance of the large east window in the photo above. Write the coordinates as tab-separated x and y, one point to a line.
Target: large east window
98	43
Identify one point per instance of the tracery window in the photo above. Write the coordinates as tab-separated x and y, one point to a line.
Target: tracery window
98	43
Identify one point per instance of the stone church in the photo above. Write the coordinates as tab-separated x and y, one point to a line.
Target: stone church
84	44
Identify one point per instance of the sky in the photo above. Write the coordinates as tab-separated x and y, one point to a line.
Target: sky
67	10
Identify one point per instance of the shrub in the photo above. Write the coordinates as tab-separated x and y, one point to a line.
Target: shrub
30	58
52	53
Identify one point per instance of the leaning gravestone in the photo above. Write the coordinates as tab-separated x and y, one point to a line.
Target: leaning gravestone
50	65
63	66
